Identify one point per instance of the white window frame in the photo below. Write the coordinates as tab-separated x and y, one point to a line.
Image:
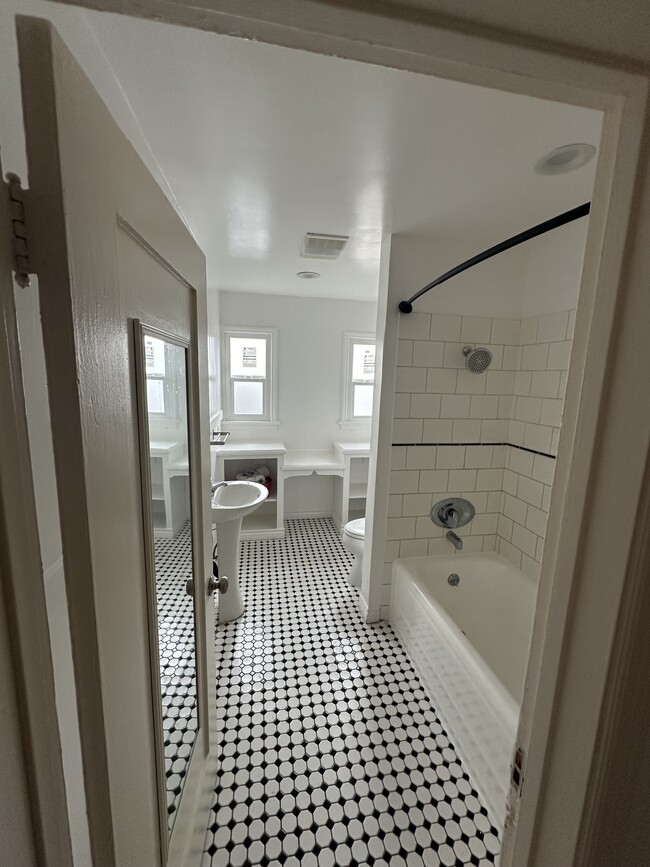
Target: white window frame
269	415
169	380
348	419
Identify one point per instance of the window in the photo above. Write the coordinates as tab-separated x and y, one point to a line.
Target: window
359	377
248	375
160	394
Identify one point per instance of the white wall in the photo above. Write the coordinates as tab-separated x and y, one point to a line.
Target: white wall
214	359
310	364
552	270
490	289
538	277
309	381
72	26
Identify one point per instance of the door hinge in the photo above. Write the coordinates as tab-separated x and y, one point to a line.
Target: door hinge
22	268
517	772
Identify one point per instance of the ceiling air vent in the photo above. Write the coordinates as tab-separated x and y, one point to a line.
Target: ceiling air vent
323	246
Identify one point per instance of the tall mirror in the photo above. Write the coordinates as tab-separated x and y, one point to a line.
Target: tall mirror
168	526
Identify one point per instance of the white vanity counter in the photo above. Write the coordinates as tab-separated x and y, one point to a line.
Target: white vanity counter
254	449
346	462
303	463
159	448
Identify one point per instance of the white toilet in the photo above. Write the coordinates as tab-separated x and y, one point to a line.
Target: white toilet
354	534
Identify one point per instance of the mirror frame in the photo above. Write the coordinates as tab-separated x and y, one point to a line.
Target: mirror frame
140	331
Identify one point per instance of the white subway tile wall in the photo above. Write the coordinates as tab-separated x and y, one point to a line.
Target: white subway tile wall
517	402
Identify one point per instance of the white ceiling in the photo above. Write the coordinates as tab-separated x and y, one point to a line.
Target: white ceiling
260	144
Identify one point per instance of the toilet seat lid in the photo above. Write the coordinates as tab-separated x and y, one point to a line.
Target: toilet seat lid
356	528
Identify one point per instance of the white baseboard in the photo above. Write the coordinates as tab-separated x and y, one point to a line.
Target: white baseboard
327	513
251	535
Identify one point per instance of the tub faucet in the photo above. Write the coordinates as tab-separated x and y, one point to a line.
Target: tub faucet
455	540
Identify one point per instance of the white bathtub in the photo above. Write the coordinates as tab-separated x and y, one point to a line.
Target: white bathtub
470	644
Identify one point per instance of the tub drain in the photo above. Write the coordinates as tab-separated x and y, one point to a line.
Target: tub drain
454	579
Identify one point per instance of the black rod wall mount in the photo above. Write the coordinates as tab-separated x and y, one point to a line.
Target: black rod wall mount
539	229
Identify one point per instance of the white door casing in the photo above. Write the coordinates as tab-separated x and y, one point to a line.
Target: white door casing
33	809
108	247
493	58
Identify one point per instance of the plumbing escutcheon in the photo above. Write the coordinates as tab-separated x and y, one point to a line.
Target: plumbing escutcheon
452	513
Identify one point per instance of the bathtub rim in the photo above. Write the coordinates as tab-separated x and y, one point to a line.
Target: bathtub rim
505	703
499	702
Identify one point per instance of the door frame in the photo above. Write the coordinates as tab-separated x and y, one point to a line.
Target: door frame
568	684
140	330
44	56
23	588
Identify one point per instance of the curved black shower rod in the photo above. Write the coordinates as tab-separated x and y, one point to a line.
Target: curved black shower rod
540	229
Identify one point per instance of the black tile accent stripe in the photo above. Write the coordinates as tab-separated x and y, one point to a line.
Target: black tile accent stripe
332	754
512	446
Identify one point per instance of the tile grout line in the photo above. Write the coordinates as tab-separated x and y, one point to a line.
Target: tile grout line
512	446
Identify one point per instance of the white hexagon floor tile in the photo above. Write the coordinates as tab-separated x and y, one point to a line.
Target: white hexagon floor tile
331	751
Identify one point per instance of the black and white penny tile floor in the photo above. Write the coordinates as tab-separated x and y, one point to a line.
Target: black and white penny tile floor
332	754
177	661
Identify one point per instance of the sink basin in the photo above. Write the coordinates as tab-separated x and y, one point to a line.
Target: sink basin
235	500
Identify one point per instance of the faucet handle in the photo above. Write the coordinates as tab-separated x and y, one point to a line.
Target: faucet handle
452	513
449	515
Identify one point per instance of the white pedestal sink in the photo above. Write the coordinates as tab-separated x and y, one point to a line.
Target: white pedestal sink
231	502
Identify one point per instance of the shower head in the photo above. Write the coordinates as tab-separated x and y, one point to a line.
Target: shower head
477	358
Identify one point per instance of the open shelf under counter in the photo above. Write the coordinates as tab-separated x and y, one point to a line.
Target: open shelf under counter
358	490
350	493
232	458
169	471
262	524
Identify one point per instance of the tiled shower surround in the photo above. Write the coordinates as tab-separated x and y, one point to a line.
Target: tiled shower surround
490	437
332	754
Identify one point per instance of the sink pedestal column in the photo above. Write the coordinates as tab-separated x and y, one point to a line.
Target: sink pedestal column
231	604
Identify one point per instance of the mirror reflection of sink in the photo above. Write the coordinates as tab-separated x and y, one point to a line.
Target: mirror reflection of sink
236	499
231	502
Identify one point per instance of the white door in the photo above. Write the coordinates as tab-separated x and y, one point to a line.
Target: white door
123	303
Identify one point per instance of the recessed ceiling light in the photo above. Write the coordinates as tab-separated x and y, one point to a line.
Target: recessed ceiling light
308	275
565	159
